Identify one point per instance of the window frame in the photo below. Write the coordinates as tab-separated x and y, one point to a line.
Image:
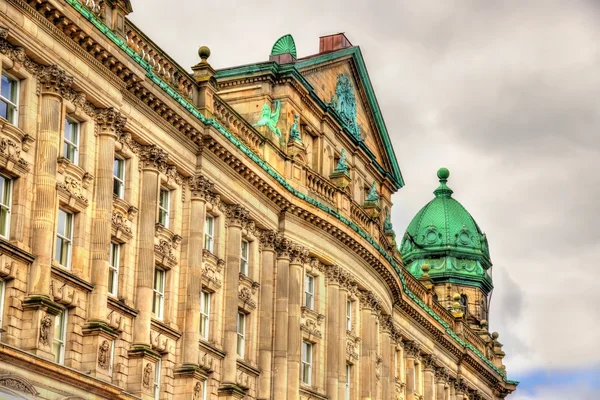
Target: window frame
12	103
164	212
244	258
209	236
6	188
349	315
309	280
111	359
159	314
66	143
62	342
347	391
306	363
69	222
156	383
113	270
241	334
205	298
120	180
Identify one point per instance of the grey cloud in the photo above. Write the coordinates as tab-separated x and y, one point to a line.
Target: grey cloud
503	93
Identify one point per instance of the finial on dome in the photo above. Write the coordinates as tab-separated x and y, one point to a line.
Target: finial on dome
443	190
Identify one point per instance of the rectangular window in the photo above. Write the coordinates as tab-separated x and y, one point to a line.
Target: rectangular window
204	313
157	371
164	207
209	233
309	292
60	336
5	204
71	141
158	302
9	98
111	360
244	257
241	334
307	356
348	315
119	177
2	290
64	238
113	266
348	375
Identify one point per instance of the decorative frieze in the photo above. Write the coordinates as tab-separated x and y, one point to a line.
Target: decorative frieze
18	383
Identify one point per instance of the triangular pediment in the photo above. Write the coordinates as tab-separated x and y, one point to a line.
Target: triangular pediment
341	81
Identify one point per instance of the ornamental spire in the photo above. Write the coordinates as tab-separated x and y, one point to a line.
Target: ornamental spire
443	190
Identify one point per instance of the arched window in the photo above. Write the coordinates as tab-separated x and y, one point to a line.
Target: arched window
464	302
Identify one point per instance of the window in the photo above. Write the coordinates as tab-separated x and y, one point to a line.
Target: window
113	265
119	178
158	302
307	349
111	360
309	292
348	315
204	389
2	290
157	379
71	141
9	98
244	257
209	233
60	336
348	375
464	301
5	203
64	238
204	313
241	334
163	207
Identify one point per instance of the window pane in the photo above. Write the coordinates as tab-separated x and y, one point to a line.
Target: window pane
4	110
164	199
6	87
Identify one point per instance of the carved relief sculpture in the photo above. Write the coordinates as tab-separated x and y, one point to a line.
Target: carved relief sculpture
146	376
103	352
45	326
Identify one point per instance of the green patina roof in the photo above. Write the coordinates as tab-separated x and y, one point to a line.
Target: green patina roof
444	235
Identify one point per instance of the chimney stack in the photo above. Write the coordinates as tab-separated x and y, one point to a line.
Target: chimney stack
333	42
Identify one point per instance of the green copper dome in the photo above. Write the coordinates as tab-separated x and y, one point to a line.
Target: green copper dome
444	235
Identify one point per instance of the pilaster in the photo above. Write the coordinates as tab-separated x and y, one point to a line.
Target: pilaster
428	376
280	342
333	330
441	378
411	350
298	256
266	320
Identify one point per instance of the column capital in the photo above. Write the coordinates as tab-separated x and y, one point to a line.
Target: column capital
153	157
298	254
441	375
283	247
411	348
369	300
268	240
460	386
52	79
235	214
429	361
109	122
201	187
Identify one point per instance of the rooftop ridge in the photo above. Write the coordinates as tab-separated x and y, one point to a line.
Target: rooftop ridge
228	135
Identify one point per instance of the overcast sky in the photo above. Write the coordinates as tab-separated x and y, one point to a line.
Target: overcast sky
507	96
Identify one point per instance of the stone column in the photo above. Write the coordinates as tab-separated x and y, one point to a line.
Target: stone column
340	347
266	320
153	159
441	377
333	333
386	354
38	306
280	341
236	216
411	350
200	188
98	334
452	388
108	121
368	348
461	389
428	376
298	256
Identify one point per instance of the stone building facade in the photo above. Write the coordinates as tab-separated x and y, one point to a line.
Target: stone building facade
214	234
